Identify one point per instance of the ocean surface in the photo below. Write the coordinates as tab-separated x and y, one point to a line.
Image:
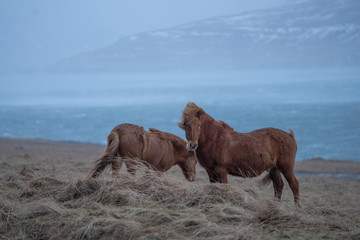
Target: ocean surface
321	106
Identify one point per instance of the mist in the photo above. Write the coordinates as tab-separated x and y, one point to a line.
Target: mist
74	70
37	34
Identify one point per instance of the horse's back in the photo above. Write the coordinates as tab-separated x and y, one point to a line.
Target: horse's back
281	144
152	147
275	134
157	150
249	154
131	140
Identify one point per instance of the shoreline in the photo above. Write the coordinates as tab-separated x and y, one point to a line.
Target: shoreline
38	148
330	175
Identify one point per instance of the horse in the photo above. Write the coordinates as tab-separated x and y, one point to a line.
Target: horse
158	150
222	151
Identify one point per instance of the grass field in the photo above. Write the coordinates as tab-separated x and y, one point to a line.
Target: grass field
44	195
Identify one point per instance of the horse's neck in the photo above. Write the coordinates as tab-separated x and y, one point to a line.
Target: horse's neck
177	152
163	145
172	157
209	129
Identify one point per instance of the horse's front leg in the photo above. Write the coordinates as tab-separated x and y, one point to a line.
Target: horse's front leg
219	175
212	176
222	174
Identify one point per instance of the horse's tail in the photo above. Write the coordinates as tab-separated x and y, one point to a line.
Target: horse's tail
110	156
265	180
292	134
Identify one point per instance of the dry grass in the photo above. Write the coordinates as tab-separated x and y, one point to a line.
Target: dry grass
153	206
40	200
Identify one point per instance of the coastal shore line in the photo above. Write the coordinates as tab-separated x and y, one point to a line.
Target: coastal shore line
52	151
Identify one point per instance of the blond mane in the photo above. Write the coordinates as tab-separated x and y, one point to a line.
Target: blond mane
190	112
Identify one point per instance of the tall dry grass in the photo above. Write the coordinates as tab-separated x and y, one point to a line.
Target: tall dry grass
34	205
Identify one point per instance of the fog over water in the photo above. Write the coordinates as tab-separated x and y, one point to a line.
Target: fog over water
74	70
321	106
219	88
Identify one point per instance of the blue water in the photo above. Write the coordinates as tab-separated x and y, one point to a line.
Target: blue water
322	107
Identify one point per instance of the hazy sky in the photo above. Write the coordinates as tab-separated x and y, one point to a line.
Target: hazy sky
122	16
36	32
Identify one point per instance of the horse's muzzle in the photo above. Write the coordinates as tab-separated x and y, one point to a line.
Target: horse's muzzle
191	179
191	147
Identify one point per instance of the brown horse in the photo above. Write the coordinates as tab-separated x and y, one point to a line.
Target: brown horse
222	151
159	150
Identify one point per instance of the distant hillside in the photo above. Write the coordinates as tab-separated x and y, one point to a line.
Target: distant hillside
318	33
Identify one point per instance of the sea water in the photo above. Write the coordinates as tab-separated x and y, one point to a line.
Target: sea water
322	106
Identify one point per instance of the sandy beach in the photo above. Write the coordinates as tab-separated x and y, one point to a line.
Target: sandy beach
44	195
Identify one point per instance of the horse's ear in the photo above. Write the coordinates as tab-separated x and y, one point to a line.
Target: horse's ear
199	113
181	125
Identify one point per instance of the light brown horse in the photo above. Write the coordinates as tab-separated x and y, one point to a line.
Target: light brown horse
222	151
159	150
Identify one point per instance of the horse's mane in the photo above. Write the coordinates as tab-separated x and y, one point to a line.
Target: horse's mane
190	112
154	130
225	125
158	133
177	141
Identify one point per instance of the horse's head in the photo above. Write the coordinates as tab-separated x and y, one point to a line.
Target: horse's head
192	134
191	123
188	165
185	159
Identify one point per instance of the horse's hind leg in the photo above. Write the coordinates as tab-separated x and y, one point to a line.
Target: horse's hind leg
131	166
116	166
294	184
278	183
